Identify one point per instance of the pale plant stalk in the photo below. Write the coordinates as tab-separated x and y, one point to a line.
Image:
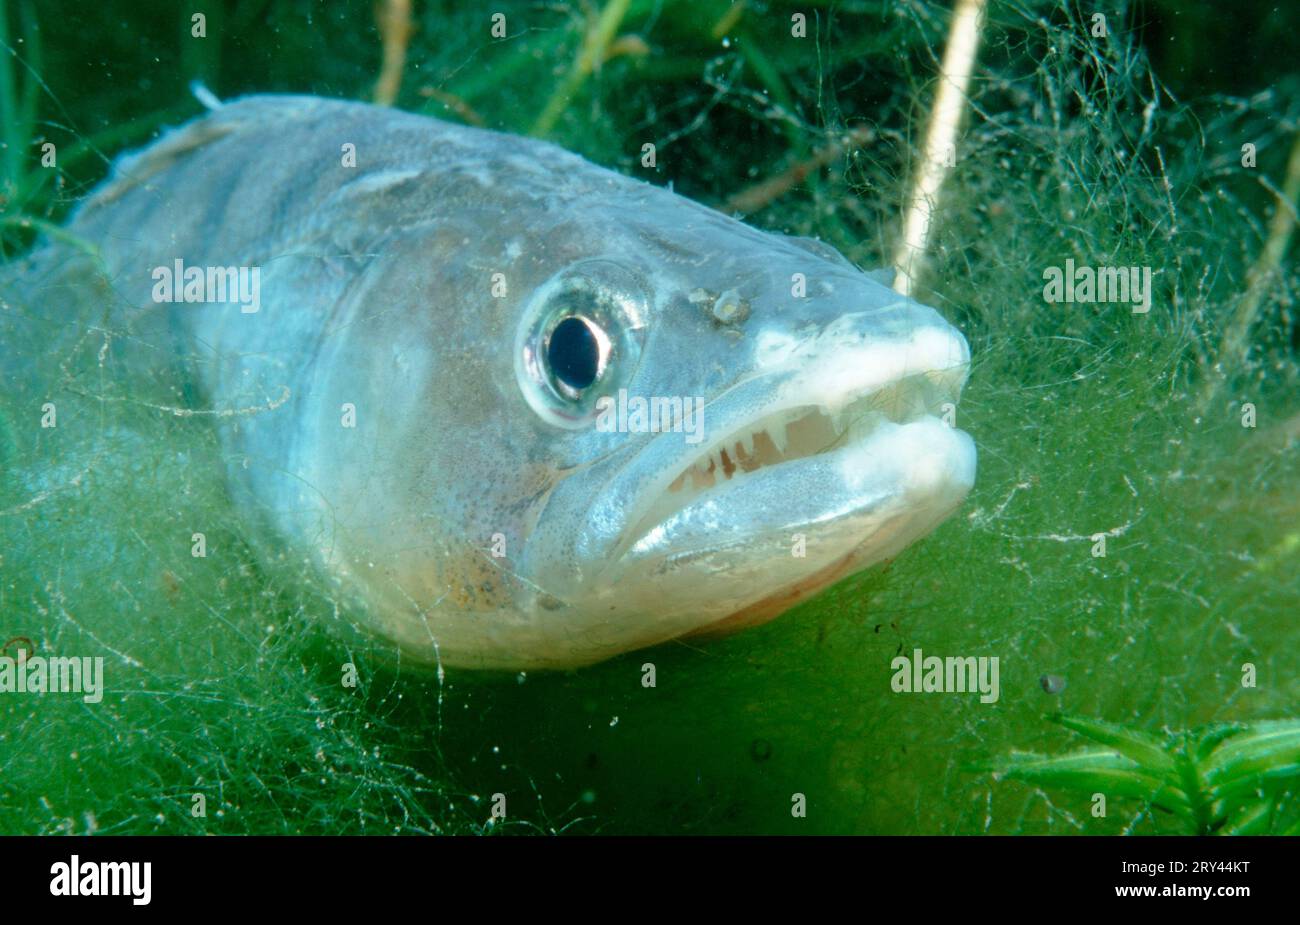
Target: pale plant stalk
395	27
1236	338
938	155
600	35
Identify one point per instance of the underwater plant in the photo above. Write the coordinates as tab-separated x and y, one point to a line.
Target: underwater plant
1222	778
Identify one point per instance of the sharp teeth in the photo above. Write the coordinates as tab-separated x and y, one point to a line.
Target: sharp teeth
779	436
837	419
747	444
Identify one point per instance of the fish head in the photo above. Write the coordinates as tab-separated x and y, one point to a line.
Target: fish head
735	420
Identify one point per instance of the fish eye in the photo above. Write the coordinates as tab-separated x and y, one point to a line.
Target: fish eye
579	340
577	351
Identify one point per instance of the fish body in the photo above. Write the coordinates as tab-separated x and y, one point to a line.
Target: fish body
439	395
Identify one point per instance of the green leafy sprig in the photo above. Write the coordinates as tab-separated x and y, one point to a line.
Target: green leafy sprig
1224	778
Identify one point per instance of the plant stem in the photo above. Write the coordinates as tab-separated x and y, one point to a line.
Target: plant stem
592	54
940	140
394	20
12	140
1236	342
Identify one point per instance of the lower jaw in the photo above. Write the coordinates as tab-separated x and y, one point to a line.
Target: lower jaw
880	548
772	606
919	474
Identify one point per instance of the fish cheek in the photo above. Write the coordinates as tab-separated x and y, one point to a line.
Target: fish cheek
474	583
485	578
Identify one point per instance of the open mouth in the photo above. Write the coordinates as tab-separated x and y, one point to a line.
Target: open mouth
788	435
797	433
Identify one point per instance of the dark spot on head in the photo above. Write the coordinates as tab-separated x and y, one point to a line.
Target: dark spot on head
760	749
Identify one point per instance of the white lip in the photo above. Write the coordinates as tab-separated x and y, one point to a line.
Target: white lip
845	361
920	469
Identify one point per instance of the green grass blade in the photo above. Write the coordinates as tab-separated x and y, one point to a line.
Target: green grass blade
14	142
1094	771
1263	749
1251	819
1147	750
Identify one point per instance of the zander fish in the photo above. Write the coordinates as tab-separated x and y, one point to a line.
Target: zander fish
522	411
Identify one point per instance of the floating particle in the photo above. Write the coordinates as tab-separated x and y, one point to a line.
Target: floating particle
1052	683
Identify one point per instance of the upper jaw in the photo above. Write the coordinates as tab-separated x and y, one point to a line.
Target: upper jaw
828	435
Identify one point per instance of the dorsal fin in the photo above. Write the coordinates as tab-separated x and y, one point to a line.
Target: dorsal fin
132	169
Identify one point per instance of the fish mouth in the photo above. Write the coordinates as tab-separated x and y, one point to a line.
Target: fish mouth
849	448
786	436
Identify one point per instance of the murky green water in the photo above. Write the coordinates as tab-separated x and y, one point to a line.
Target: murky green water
222	672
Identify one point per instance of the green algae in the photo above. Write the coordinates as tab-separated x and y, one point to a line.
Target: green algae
224	672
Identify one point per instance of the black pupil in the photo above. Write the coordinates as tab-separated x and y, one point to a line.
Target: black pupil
573	353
